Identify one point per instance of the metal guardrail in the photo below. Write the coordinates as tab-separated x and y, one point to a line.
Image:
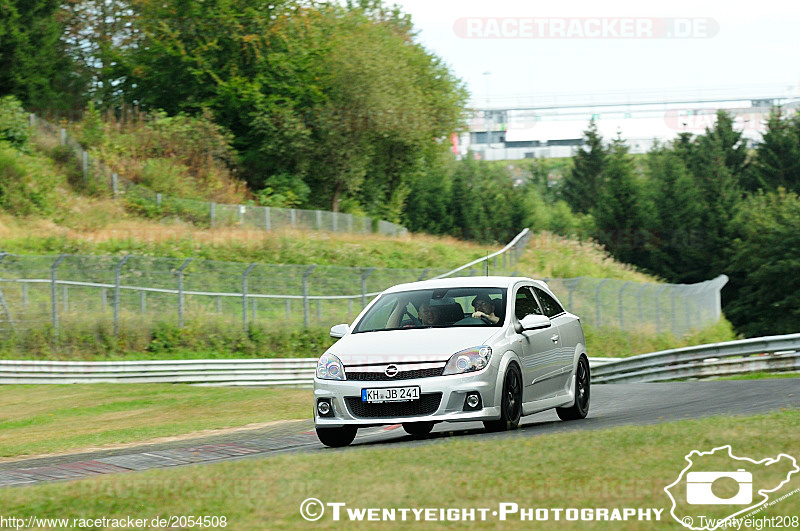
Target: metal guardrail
769	354
295	372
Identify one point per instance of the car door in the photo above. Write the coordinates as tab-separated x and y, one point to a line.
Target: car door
539	363
565	339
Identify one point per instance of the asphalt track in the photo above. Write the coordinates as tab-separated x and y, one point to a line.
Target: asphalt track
611	405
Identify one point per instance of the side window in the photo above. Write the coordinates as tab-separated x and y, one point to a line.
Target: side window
525	303
551	307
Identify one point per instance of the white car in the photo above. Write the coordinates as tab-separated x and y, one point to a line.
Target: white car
488	349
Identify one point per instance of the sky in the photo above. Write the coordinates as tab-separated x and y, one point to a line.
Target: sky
518	53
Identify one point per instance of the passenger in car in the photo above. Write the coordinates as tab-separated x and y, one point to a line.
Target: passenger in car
484	309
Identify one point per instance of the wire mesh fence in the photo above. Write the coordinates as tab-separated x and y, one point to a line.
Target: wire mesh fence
66	289
210	214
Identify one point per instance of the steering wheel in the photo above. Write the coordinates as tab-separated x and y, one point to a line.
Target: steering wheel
413	319
486	320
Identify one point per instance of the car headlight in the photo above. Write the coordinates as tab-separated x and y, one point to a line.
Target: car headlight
469	360
329	367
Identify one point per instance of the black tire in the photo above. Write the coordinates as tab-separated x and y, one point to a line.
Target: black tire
580	407
511	403
418	429
337	437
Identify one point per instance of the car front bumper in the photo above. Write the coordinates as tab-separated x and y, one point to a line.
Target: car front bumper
344	395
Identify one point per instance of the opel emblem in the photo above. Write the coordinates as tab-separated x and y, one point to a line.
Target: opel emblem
391	371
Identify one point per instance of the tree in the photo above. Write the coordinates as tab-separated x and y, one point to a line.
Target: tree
34	66
678	218
622	212
777	161
763	296
730	142
582	185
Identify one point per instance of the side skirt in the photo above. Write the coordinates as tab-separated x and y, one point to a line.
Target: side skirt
535	406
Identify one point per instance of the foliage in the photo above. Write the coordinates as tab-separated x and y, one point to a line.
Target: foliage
777	161
27	182
14	127
581	187
764	292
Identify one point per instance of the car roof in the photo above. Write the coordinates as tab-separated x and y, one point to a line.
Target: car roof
466	282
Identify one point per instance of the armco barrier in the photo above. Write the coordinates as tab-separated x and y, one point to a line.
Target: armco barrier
297	372
769	354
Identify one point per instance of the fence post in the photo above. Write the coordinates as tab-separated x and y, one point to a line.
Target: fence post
288	309
85	165
25	296
32	119
672	307
335	221
103	300
598	315
424	274
244	293
305	294
117	269
211	212
293	216
572	287
658	307
54	292
143	302
65	298
218	305
180	291
364	276
255	304
241	210
349	222
319	309
63	137
319	220
621	312
267	223
114	184
158	200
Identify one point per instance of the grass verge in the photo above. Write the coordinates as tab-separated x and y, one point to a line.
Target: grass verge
59	418
625	467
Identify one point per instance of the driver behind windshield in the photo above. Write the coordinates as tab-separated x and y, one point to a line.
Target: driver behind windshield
484	309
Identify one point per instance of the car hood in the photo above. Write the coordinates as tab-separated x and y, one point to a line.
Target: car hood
408	346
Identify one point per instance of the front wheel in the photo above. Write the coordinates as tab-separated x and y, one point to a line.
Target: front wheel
337	437
580	407
511	403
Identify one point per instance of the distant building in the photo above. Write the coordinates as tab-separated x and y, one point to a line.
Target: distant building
514	134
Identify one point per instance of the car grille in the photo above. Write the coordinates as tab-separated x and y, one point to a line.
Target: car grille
402	375
427	404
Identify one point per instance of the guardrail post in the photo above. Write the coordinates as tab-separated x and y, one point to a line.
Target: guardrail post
54	293
117	269
305	294
598	315
364	276
244	293
180	291
621	312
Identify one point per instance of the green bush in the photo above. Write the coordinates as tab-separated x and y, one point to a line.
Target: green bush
14	127
27	182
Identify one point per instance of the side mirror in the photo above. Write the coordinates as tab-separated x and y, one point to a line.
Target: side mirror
535	322
339	330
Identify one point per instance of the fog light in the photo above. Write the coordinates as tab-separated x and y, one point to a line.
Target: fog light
323	407
473	400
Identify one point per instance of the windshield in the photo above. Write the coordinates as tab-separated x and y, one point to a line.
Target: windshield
435	308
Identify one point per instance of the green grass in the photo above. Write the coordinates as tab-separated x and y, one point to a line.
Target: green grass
615	343
760	376
615	468
36	419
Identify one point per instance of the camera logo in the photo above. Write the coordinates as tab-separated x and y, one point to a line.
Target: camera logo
698	488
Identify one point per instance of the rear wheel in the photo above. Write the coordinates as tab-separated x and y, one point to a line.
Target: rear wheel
511	403
580	407
418	429
337	437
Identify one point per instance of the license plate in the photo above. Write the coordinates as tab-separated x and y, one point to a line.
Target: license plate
390	394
